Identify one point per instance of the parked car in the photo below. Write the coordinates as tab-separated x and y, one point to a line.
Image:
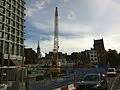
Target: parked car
111	72
92	82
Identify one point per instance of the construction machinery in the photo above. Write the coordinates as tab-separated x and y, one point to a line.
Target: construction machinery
55	68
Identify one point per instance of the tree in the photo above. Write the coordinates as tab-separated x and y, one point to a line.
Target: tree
113	57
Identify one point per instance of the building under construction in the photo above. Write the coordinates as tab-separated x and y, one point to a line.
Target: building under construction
11	39
12	31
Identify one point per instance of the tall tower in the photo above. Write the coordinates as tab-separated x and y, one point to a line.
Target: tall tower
38	51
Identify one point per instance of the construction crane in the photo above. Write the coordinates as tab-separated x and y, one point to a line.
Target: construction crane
55	70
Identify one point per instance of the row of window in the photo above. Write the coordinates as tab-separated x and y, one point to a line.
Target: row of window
94	60
13	30
13	24
93	55
11	48
14	10
12	38
17	4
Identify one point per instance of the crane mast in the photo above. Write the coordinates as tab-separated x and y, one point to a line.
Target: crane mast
56	31
55	50
55	61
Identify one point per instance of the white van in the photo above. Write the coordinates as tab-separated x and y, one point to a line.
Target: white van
111	72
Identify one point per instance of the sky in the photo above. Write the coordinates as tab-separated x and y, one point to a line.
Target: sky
80	22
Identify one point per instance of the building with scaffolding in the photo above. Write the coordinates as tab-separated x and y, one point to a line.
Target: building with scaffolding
12	30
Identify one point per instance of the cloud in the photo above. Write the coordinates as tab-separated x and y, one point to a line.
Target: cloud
33	7
66	1
71	15
80	22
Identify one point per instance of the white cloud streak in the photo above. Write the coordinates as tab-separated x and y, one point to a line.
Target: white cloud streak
104	22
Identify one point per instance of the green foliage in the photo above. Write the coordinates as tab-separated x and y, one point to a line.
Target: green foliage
113	57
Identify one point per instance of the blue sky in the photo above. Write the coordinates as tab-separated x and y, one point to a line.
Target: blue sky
80	22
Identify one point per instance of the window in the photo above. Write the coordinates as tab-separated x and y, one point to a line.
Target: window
6	47
13	16
92	60
7	36
17	33
21	27
12	30
21	41
12	23
8	6
22	9
1	10
1	34
1	46
18	12
17	19
19	1
1	26
22	2
21	50
7	21
13	9
12	49
13	2
21	34
12	38
2	2
18	6
17	25
1	18
22	15
95	59
9	0
8	13
17	50
7	29
17	39
22	21
91	55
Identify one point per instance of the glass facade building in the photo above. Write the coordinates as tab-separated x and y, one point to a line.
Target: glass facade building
12	29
